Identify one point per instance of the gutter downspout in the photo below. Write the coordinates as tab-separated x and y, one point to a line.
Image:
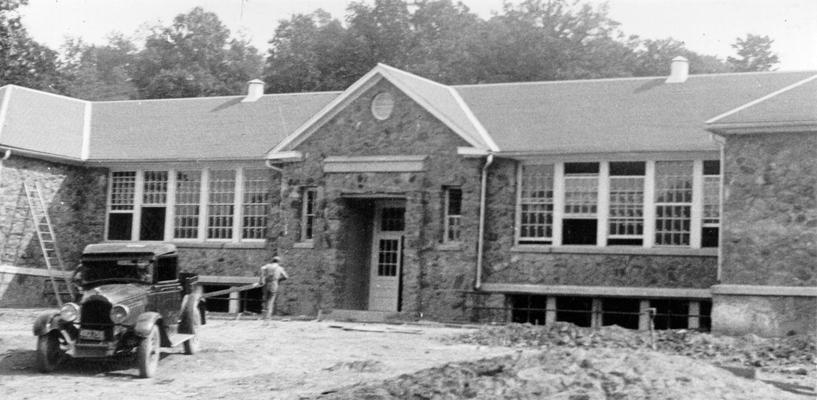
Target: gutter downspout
480	238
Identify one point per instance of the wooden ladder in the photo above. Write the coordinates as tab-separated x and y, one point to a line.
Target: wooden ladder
47	239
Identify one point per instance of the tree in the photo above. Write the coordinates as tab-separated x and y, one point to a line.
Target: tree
100	72
754	54
23	61
195	56
653	57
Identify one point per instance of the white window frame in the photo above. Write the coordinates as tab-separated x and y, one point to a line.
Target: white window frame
555	208
603	207
305	191
170	205
450	220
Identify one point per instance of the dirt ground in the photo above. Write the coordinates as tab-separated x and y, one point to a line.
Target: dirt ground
310	359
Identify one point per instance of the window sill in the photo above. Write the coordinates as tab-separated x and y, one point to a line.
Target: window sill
623	250
454	246
303	245
221	245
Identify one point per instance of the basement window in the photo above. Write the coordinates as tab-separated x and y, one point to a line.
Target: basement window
580	221
671	314
620	311
528	309
576	310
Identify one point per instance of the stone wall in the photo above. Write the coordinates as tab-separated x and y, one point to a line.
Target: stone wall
435	277
770	210
504	264
75	197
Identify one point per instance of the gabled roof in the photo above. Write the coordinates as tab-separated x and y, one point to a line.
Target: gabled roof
614	115
202	128
441	101
793	107
43	123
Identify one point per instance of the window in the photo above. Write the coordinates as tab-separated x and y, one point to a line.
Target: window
154	205
188	198
453	214
221	204
673	203
256	204
536	204
191	205
580	222
711	207
120	215
308	199
626	217
653	203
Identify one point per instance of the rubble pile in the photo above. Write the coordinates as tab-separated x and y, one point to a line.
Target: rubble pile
773	354
569	374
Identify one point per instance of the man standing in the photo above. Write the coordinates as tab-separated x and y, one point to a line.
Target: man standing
271	274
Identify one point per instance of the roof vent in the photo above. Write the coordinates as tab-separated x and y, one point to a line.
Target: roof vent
255	89
679	70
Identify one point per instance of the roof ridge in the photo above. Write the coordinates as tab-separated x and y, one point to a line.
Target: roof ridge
217	97
630	78
760	99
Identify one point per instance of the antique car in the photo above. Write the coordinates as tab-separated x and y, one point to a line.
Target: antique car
132	301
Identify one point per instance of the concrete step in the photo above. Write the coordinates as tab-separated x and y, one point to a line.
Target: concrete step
367	316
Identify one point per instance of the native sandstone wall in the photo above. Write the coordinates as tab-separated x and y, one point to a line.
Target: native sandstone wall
75	197
434	276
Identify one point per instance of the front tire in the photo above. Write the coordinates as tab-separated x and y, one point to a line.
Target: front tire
147	354
49	353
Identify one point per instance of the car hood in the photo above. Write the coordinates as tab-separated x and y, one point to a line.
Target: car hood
119	293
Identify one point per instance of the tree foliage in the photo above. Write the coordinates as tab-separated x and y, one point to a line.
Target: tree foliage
99	72
192	57
23	61
754	54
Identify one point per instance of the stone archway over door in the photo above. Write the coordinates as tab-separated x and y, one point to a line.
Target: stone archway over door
387	255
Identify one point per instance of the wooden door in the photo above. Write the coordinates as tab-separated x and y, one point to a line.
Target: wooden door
387	256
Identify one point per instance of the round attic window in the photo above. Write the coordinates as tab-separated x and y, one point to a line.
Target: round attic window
382	105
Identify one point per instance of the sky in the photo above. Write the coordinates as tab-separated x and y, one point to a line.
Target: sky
706	26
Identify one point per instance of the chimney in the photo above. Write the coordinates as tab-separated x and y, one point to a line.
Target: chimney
255	89
679	70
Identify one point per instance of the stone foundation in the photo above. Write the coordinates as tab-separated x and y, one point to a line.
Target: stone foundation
763	315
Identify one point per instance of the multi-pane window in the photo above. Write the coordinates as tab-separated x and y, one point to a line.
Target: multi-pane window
580	222
309	197
154	205
620	203
170	204
120	216
188	200
673	202
626	217
536	204
453	214
221	204
256	204
711	207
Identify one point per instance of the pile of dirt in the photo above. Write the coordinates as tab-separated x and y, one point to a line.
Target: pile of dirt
569	374
794	354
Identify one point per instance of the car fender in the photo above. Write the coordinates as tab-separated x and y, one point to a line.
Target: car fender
146	321
46	322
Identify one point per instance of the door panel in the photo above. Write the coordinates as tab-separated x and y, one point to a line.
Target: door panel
386	262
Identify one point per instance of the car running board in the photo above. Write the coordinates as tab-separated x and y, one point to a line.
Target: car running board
179	338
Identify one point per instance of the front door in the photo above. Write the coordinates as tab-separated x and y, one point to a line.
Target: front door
387	256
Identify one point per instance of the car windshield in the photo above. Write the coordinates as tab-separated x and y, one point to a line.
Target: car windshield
122	270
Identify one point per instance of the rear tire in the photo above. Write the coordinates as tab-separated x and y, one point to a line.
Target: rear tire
49	353
147	354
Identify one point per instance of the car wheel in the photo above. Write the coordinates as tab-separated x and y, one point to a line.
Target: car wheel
191	346
147	354
49	353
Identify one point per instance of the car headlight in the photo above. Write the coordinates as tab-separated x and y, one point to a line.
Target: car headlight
69	312
118	313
